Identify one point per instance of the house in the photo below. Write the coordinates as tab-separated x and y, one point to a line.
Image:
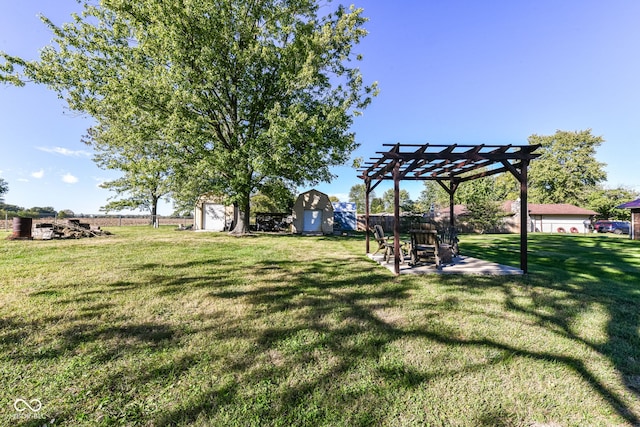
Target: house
312	214
344	216
548	218
635	217
211	214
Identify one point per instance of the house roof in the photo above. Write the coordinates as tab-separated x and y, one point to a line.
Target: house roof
630	205
534	209
558	209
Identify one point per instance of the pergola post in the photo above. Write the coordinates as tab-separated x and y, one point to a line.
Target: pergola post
367	192
524	217
453	187
396	217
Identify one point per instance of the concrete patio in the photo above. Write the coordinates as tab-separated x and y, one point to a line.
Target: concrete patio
459	265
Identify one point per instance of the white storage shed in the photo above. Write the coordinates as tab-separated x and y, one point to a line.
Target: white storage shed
211	214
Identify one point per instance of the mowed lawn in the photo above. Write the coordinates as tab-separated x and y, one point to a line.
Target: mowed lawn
159	327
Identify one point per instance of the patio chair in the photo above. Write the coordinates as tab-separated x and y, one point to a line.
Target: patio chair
425	246
449	236
387	243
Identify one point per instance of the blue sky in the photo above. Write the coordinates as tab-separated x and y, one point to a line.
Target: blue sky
454	71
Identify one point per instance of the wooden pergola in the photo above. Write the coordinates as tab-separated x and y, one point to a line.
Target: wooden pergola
449	166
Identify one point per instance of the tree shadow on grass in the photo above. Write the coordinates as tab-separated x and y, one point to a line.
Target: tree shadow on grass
572	275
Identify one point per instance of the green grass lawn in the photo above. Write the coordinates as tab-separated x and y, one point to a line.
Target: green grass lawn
159	327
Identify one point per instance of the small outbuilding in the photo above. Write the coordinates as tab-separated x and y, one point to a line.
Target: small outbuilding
211	214
559	218
635	217
312	214
345	217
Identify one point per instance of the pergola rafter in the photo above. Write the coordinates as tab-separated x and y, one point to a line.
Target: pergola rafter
449	166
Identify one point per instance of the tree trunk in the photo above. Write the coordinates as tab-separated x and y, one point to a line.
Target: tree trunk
154	211
241	215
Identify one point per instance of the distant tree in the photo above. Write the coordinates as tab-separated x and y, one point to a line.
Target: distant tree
432	195
567	170
146	165
484	215
406	204
377	205
604	201
334	199
4	188
66	213
482	201
10	208
507	187
478	190
246	91
357	194
38	212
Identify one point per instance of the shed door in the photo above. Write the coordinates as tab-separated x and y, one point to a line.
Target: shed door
312	220
213	217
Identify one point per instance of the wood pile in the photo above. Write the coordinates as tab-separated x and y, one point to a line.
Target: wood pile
73	229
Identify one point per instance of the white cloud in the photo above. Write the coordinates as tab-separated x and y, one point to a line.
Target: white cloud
38	174
69	179
22	180
65	151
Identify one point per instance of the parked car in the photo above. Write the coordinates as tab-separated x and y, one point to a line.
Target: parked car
616	227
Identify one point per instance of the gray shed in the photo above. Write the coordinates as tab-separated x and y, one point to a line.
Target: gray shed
313	213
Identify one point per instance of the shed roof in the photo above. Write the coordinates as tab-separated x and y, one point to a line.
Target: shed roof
630	205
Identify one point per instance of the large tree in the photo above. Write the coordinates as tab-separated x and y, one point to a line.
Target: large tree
246	91
567	170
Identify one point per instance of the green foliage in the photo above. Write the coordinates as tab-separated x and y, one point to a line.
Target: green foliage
4	188
567	170
275	198
406	204
433	195
66	213
244	92
34	212
482	202
604	201
377	205
146	166
357	194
